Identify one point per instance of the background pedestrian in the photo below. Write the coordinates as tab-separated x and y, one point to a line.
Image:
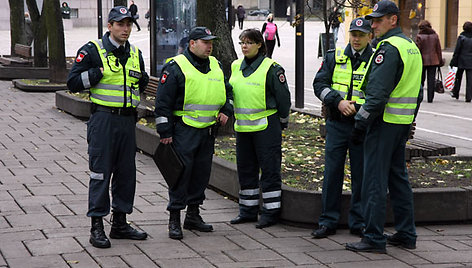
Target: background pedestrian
241	14
270	32
133	8
462	59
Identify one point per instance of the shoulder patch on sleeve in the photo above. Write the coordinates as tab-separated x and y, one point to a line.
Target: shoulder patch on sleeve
81	56
380	57
164	75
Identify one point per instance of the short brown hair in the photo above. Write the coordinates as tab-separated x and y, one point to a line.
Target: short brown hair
255	36
467	27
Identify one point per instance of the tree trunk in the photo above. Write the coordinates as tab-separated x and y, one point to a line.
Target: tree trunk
40	47
119	3
17	24
212	15
57	58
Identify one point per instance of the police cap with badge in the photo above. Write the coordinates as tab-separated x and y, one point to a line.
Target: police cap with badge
360	24
202	33
382	8
120	13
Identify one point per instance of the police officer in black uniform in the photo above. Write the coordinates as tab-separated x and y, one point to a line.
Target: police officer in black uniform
337	85
393	94
113	70
192	98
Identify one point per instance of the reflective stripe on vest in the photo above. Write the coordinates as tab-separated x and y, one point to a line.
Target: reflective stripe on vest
205	94
401	106
343	75
249	95
117	89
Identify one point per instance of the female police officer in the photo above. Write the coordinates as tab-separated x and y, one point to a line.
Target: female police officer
261	108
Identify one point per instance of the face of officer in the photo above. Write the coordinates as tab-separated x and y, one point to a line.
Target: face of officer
201	48
383	24
120	30
249	48
359	40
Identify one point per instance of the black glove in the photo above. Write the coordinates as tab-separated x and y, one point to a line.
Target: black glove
283	125
357	136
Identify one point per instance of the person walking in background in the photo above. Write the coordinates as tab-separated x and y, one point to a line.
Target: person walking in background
337	85
65	10
192	98
241	13
261	108
113	70
392	98
270	32
335	18
133	8
428	43
462	59
28	29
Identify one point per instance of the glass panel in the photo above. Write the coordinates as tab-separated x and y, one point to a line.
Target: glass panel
174	19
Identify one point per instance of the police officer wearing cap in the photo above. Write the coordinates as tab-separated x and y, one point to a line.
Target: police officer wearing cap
261	108
113	70
193	97
393	94
337	85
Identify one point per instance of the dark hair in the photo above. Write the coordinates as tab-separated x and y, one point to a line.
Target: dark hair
467	27
424	24
255	36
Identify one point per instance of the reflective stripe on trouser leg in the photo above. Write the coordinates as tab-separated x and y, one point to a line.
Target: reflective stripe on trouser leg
249	198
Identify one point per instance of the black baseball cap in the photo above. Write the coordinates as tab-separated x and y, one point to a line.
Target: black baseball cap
119	13
360	24
201	33
382	8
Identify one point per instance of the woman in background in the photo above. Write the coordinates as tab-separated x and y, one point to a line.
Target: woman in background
270	32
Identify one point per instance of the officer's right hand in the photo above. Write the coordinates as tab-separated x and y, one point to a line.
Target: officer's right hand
347	108
166	140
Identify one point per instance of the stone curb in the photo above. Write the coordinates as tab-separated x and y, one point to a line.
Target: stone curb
37	88
301	207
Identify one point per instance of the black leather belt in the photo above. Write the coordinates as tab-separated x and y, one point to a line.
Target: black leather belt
114	110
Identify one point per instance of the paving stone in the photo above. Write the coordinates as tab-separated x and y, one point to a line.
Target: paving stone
373	264
38	262
286	244
167	249
265	263
456	245
13	249
429	246
299	258
138	260
111	261
335	256
38	221
246	242
210	243
446	256
404	255
47	189
254	255
53	246
184	262
80	260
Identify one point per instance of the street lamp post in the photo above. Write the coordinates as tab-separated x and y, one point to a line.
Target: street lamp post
99	19
299	56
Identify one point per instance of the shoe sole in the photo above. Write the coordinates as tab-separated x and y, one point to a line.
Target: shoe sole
372	250
400	244
176	237
244	221
130	238
187	227
98	245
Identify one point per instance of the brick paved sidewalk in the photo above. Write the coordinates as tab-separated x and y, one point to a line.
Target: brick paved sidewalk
43	201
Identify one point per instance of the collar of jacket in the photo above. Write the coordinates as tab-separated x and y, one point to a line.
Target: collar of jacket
203	65
254	64
109	47
365	56
392	32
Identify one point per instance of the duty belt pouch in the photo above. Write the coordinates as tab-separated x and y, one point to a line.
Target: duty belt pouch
214	129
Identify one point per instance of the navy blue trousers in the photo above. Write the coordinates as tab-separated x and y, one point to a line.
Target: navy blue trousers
112	150
195	147
385	166
336	148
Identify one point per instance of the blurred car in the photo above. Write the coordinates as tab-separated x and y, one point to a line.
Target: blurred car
257	12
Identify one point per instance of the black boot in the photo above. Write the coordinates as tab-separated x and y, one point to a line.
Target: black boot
120	228
98	238
175	231
193	220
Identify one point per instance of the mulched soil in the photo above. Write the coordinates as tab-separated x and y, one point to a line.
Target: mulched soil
303	160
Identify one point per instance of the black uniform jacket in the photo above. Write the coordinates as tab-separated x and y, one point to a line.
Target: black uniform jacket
381	79
277	92
171	92
323	79
88	60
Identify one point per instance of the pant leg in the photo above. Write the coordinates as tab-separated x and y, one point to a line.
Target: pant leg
99	138
457	82
468	92
201	168
431	73
137	25
248	174
123	182
186	143
268	146
356	159
377	157
335	156
423	76
270	44
401	195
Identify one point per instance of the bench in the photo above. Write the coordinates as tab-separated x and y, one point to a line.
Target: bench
22	56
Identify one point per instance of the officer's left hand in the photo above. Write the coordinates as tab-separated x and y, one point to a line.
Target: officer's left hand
222	118
347	108
283	125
